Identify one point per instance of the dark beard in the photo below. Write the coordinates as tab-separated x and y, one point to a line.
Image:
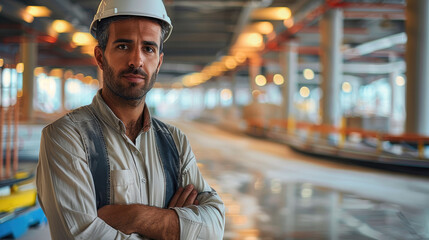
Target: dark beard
128	93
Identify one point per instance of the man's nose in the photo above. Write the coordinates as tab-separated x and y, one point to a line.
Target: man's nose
136	59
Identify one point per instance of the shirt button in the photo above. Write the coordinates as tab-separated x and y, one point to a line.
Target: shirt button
143	180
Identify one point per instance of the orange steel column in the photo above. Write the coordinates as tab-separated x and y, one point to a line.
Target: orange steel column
29	58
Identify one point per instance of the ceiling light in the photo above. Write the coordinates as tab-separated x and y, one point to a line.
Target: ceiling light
38	70
230	63
288	22
62	26
95	83
27	17
304	92
264	27
347	87
251	40
272	13
260	80
20	67
240	57
308	74
82	38
56	72
38	11
400	81
79	76
278	79
68	74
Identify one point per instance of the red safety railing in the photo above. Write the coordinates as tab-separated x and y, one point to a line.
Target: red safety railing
343	131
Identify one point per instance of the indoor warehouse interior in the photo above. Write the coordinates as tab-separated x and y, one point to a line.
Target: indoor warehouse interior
310	118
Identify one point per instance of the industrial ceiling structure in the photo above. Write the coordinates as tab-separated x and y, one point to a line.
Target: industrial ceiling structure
206	31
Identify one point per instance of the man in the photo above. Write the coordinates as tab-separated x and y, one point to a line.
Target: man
131	200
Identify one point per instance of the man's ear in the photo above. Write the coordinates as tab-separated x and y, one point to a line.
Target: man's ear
98	54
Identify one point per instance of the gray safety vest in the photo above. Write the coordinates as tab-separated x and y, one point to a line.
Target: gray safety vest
95	148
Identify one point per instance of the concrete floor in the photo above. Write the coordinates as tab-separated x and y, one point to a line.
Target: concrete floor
272	192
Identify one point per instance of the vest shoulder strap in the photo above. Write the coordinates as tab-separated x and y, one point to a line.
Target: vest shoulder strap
169	156
95	147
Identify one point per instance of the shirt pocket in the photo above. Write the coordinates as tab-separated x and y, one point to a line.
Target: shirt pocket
125	187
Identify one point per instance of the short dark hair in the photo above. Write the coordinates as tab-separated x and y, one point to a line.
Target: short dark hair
102	31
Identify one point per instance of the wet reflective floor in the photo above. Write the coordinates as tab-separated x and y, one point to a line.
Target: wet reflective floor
272	192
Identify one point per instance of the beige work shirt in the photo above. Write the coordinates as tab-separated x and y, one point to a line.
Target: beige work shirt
66	189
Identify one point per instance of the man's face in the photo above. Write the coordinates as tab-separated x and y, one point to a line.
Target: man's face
131	60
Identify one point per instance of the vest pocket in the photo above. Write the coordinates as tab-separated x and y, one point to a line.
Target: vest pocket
125	187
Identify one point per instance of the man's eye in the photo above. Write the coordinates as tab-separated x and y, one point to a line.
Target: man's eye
123	47
149	49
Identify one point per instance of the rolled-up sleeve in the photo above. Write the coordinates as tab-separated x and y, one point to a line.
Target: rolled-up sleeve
206	220
65	187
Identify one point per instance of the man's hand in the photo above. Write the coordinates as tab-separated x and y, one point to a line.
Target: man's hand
120	217
184	197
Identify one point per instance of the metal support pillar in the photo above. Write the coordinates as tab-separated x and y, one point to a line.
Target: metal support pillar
417	58
289	66
29	58
331	29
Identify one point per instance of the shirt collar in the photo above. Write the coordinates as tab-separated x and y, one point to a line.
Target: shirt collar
106	115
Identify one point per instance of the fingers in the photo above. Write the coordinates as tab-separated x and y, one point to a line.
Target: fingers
188	192
191	198
184	197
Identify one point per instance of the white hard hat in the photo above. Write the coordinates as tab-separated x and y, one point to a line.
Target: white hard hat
144	8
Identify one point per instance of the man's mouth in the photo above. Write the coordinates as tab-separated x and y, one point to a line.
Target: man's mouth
134	78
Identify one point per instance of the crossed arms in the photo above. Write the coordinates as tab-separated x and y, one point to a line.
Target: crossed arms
149	221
